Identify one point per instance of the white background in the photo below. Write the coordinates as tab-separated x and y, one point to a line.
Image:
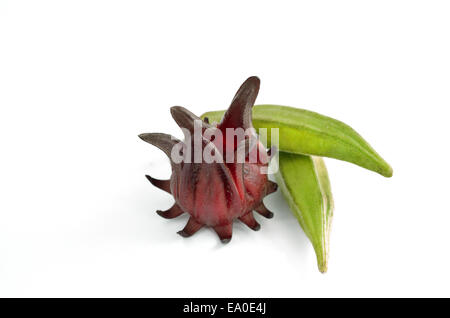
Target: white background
79	80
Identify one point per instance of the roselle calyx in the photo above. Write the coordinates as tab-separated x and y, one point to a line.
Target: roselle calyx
219	171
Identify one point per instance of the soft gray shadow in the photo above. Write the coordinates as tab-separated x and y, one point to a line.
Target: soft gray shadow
287	233
282	232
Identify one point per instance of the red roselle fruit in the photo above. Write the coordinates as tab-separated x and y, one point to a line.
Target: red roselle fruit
219	172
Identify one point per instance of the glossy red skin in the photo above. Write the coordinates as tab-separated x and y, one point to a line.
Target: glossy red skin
216	193
214	196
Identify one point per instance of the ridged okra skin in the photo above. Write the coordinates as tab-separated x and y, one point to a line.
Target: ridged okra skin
305	132
304	182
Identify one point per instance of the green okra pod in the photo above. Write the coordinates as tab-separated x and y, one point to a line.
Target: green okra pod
306	132
304	182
